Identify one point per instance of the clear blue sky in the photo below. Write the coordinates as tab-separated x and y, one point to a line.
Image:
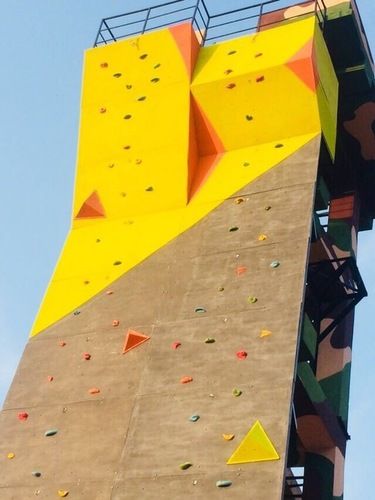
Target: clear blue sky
42	44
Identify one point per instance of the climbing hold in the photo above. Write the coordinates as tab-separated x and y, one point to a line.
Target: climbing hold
123	194
23	415
252	300
157	66
240	270
220	289
176	345
200	310
127	147
149	189
129	87
102	110
127	117
260	79
63	493
259	54
277	146
86	282
255	447
223	483
231	85
194	418
241	354
209	340
36	473
262	237
246	164
185	465
186	380
86	356
265	333
111	165
62	343
195	482
109	292
138	161
98	240
233	229
50	378
228	71
238	201
104	65
249	118
94	390
76	313
142	98
212	395
117	75
51	432
133	339
228	437
143	56
64	410
232	52
155	80
117	263
115	322
267	208
11	456
236	392
275	264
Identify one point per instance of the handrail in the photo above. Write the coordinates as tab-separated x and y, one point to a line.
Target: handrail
211	28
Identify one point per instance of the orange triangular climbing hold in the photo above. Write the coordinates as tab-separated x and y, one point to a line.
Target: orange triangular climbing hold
91	208
302	64
255	447
133	339
187	42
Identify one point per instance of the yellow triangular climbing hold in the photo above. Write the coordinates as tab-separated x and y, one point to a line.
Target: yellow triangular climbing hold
255	447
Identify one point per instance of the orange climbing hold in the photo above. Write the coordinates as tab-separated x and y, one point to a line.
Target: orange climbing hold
50	378
86	356
115	322
62	343
176	345
94	390
241	270
92	208
186	380
133	339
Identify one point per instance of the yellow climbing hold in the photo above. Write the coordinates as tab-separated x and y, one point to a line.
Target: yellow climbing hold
265	333
11	455
255	447
63	493
228	437
262	237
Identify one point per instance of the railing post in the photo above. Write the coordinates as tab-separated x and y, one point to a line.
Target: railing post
109	30
146	20
260	17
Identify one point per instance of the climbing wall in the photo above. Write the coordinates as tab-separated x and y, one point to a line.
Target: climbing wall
162	360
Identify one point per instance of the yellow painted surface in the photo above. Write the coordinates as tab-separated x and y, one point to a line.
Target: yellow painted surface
139	166
255	447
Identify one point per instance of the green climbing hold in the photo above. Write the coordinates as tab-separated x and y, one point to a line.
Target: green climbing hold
185	466
236	392
209	340
194	418
76	313
200	310
223	483
51	432
252	300
275	264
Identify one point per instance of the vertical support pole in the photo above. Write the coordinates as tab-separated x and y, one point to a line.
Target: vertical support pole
146	20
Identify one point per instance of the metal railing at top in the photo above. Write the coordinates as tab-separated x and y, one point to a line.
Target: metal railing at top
209	28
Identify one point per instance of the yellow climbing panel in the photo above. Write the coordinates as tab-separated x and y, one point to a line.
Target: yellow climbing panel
255	447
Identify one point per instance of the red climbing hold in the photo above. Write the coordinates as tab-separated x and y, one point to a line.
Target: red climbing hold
86	356
133	339
241	354
241	270
176	345
94	390
49	378
62	343
115	322
186	380
23	415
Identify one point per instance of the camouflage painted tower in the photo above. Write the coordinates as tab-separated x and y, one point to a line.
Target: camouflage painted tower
195	339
